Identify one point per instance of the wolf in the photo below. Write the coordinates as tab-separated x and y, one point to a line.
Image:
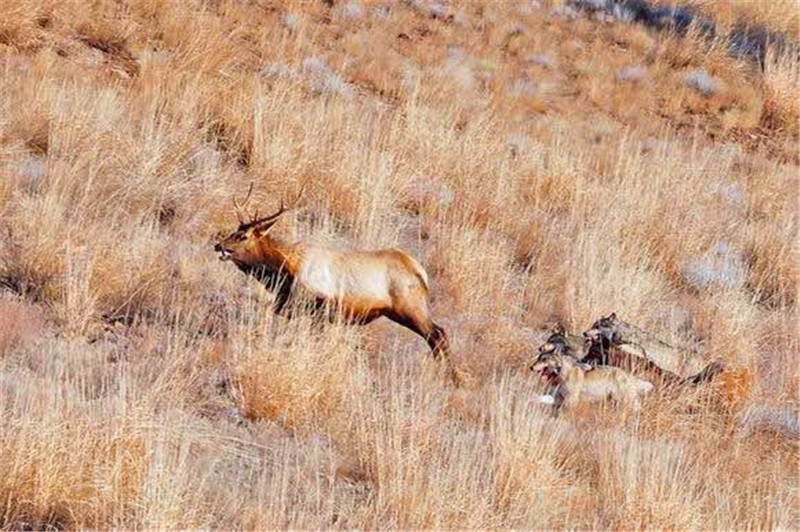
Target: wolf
564	343
613	341
573	382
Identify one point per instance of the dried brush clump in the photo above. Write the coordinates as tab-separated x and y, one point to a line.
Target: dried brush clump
544	163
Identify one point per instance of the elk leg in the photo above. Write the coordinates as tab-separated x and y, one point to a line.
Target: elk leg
282	297
438	342
434	336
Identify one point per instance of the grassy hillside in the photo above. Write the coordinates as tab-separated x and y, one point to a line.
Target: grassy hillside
543	162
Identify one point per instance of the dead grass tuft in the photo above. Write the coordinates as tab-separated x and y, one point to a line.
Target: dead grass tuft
544	164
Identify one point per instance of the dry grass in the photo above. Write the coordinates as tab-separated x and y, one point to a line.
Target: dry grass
532	189
780	15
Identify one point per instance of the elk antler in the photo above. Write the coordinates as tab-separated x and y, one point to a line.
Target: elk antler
238	207
272	218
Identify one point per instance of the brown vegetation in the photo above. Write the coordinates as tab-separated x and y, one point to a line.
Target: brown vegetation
499	144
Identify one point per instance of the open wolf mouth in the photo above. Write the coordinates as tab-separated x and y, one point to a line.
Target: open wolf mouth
550	375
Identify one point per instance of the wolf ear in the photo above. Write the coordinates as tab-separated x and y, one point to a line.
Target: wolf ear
613	316
559	329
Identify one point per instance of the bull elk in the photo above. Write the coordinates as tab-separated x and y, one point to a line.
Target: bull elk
359	286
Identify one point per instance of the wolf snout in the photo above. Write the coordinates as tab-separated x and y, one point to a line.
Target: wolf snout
590	336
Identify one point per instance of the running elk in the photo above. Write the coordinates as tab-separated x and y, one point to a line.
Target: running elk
359	286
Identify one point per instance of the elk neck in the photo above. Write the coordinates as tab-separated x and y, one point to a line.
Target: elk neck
275	258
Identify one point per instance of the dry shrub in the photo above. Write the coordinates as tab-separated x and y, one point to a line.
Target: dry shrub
22	25
299	377
780	15
35	251
599	281
648	484
22	324
471	266
781	108
774	264
534	188
728	320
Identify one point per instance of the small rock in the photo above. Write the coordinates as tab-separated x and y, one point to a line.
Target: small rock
277	71
234	415
439	193
567	12
460	19
733	193
631	73
291	21
515	31
381	13
352	11
323	80
523	87
456	53
429	8
604	17
623	13
700	81
33	173
517	143
592	5
530	7
444	196
410	76
721	266
460	72
543	60
650	144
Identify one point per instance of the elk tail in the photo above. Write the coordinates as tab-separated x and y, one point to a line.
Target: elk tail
419	271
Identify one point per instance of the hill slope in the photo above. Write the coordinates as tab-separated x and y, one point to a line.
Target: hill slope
544	161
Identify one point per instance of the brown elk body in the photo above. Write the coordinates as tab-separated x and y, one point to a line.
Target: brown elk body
358	286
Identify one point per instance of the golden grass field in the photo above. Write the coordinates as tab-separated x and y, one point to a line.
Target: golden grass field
502	146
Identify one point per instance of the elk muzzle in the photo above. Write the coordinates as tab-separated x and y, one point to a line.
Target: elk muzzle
224	253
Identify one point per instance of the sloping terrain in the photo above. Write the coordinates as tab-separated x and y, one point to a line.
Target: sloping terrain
545	161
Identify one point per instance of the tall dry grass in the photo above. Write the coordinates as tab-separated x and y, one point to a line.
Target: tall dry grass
533	189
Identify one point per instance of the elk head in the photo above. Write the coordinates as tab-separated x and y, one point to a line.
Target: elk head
250	244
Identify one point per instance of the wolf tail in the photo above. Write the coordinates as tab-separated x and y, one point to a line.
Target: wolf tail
707	373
